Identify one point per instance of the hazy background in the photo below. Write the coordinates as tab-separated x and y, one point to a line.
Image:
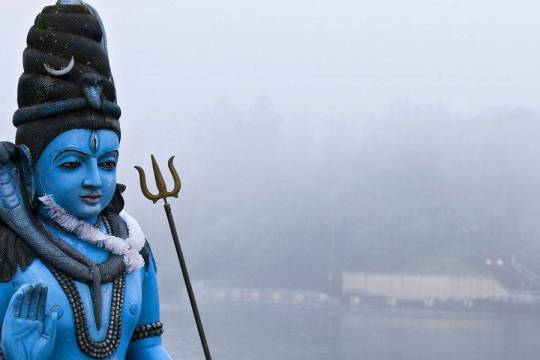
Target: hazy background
315	136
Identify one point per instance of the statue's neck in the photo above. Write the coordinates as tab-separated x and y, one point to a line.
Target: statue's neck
90	251
43	212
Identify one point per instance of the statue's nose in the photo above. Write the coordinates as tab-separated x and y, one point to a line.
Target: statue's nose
92	179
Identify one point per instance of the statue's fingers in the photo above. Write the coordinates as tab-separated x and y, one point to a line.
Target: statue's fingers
36	294
16	302
49	330
42	302
27	300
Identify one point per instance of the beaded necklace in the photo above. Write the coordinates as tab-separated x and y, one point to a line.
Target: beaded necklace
95	349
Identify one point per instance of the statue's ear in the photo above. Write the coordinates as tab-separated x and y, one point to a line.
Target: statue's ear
27	171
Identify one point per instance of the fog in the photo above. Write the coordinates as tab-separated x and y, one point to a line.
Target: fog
317	137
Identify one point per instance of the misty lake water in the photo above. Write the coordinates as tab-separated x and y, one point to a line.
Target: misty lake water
287	332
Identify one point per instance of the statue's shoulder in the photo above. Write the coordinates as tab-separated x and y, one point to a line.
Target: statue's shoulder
13	253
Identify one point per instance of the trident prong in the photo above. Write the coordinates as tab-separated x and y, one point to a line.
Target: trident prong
161	185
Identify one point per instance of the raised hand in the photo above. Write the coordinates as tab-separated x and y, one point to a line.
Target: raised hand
28	333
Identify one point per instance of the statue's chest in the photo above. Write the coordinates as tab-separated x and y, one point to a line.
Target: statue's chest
78	331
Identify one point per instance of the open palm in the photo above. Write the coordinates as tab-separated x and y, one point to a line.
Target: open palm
28	332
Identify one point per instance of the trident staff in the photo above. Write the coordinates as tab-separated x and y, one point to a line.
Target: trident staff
163	193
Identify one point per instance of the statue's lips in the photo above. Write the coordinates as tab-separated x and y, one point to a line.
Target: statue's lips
91	199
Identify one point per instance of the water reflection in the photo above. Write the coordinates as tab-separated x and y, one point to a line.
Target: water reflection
287	332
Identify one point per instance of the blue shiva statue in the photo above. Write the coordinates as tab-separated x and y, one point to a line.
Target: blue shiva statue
77	276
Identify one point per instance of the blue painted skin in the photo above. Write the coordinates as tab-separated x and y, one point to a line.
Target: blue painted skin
37	317
79	163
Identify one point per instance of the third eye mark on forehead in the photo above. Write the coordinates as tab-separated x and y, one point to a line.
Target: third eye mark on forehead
94	141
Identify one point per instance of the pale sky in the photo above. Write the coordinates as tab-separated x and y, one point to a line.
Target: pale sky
316	57
179	65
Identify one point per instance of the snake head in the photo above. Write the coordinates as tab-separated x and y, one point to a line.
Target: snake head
92	86
16	175
7	151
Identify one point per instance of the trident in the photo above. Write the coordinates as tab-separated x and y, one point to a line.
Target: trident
163	193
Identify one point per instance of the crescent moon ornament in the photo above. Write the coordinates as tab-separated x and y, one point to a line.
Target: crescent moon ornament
62	71
69	2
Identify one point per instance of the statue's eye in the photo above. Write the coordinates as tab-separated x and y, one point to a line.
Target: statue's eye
109	165
71	165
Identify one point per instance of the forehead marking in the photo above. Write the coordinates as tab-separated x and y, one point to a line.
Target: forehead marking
94	141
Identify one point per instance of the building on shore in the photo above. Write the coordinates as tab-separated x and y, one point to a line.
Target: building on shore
410	287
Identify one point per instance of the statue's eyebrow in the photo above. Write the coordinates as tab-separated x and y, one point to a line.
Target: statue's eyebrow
109	153
82	153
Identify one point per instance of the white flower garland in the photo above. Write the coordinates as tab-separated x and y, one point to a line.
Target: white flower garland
129	248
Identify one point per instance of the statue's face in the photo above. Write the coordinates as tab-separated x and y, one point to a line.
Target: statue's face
79	169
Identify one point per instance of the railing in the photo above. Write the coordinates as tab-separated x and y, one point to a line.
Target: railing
262	296
516	262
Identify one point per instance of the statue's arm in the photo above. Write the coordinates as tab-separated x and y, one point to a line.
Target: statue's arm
146	340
